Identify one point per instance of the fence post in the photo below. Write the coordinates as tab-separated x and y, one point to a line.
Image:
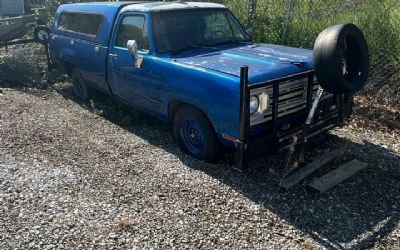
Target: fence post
286	21
251	13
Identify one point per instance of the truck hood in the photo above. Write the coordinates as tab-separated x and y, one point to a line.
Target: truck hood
265	61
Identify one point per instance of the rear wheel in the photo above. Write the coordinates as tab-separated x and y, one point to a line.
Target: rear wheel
81	89
195	134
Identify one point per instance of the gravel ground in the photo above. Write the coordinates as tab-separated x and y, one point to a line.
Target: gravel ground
99	175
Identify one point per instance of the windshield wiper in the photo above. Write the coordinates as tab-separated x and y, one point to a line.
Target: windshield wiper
192	46
236	41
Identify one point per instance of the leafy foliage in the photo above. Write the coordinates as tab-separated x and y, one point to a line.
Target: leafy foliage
379	19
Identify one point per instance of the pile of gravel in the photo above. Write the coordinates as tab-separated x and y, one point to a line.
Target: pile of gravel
100	176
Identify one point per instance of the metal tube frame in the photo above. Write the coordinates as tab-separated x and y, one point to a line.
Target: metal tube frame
27	41
244	117
15	42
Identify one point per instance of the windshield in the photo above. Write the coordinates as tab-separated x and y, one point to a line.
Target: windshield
177	30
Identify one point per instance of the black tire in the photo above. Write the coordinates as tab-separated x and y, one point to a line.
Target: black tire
41	34
209	152
341	59
81	89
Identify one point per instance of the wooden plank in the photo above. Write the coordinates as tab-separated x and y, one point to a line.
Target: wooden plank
337	176
304	172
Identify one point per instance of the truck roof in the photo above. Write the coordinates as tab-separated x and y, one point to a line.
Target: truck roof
162	6
109	11
149	6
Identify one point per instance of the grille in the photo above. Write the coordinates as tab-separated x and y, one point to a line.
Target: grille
292	98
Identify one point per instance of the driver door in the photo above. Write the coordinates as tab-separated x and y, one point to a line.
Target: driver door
128	83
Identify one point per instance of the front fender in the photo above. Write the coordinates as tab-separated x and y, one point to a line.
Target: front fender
216	94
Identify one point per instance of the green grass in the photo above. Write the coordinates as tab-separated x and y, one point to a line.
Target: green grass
379	20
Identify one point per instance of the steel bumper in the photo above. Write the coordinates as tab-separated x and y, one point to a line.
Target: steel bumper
275	138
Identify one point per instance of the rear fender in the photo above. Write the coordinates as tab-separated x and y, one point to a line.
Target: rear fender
68	57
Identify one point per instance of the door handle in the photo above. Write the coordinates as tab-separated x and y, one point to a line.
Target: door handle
113	56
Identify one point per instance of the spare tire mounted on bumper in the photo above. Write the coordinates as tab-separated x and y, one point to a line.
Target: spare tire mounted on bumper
341	59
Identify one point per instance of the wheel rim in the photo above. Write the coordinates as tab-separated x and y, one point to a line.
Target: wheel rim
43	35
192	136
79	90
351	59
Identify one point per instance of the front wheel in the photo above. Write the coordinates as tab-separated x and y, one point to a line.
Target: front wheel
195	134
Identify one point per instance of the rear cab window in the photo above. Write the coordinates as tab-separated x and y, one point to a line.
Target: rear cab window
87	24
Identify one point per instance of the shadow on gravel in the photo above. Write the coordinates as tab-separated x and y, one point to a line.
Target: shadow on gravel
355	214
359	212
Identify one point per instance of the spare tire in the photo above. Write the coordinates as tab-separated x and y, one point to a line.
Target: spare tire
41	34
341	59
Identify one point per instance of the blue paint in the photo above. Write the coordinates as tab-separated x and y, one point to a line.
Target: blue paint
205	78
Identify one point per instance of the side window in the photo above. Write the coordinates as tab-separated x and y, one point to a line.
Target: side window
235	27
87	24
67	21
133	28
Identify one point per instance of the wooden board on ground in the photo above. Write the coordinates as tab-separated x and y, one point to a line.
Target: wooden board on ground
337	176
310	168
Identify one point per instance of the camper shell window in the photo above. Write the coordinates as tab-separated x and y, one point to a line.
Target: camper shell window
82	23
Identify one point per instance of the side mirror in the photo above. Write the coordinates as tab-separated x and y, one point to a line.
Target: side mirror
133	50
132	47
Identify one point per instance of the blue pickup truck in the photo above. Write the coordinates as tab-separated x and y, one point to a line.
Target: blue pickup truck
195	66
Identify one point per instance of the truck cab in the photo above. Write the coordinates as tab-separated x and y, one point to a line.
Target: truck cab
192	65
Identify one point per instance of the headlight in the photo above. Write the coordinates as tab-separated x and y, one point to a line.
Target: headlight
254	103
264	102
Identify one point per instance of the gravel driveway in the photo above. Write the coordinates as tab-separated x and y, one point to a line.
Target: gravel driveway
99	175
